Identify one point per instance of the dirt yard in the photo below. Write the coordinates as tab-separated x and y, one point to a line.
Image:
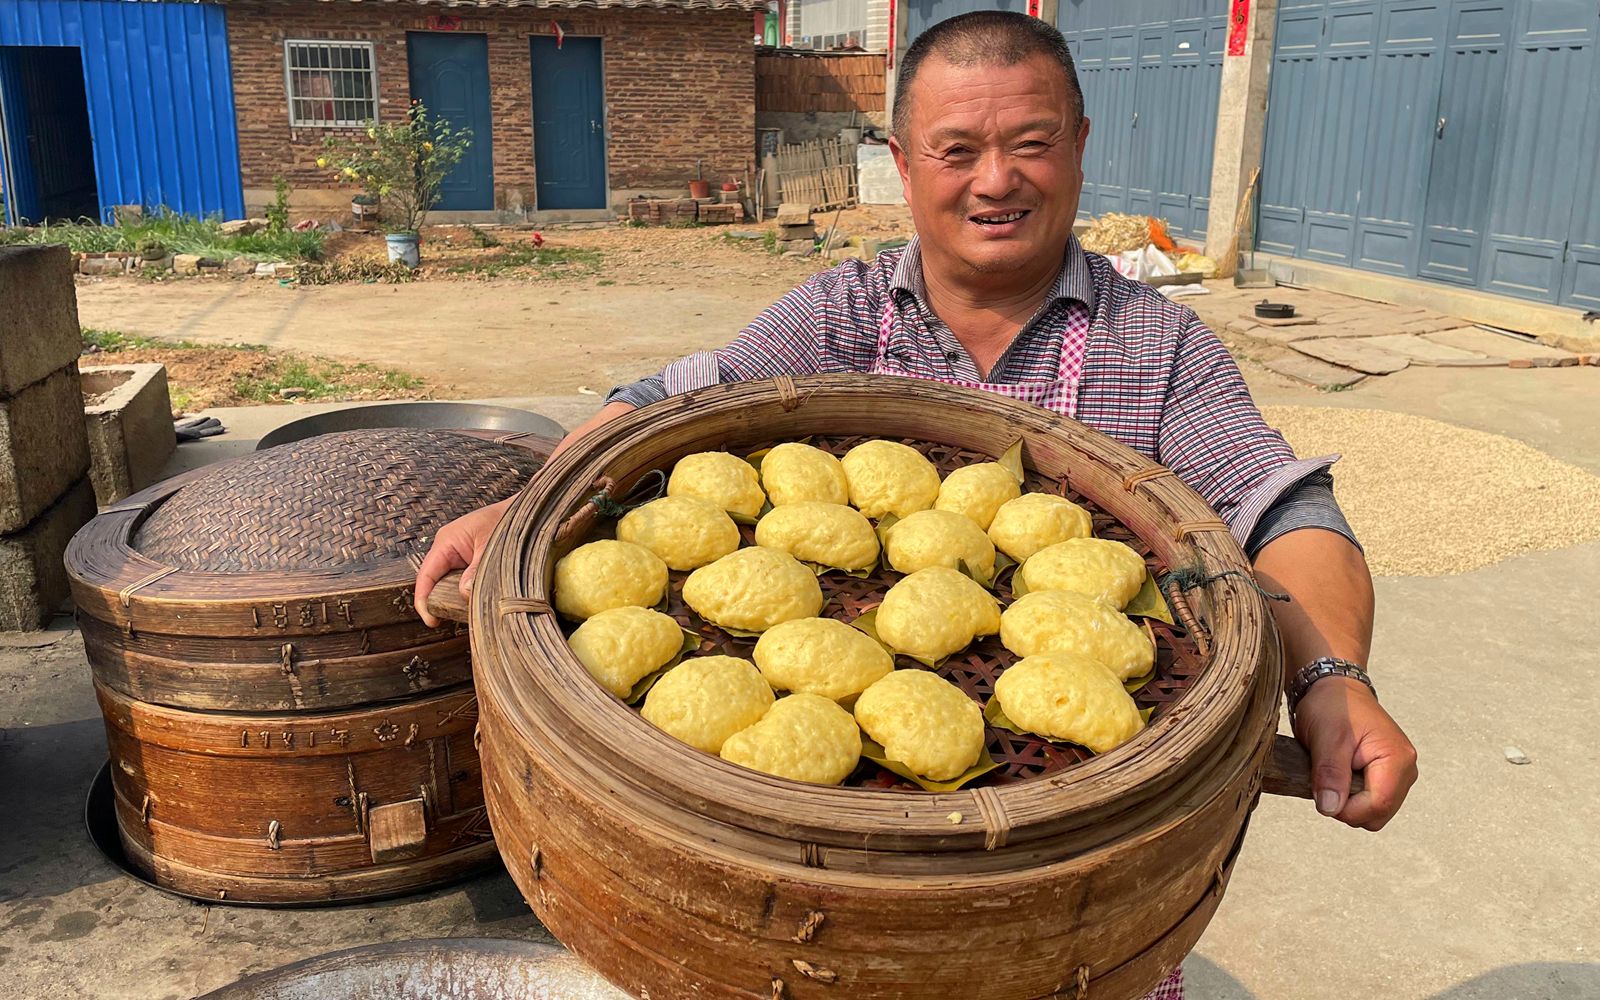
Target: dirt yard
591	308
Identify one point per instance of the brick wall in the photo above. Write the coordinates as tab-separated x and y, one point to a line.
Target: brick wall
679	86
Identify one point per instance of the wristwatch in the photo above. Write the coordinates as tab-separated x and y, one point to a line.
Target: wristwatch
1316	670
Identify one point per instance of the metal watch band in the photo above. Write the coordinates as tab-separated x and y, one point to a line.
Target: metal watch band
1326	666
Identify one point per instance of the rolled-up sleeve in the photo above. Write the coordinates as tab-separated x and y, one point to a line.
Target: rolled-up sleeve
1214	438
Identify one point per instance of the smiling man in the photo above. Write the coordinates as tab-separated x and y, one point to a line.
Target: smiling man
996	294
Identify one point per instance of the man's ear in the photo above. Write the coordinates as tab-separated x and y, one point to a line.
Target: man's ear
902	164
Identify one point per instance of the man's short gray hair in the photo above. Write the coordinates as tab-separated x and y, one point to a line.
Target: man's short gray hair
984	38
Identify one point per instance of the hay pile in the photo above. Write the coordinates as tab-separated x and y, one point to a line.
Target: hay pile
1115	232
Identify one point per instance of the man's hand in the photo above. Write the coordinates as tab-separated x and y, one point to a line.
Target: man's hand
1345	729
460	543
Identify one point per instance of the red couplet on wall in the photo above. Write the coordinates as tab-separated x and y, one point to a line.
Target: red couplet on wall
1033	8
1238	27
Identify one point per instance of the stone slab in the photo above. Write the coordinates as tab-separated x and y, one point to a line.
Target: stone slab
130	428
33	580
43	447
1349	353
1289	321
39	333
1497	344
1422	351
1317	373
795	246
805	232
1283	335
794	214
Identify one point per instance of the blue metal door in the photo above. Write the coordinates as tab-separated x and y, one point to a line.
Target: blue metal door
1476	53
1151	73
1448	139
569	133
159	92
450	76
924	14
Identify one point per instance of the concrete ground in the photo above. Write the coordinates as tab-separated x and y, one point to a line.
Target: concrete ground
1484	887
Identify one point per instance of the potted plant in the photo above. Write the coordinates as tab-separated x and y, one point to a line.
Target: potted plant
364	206
402	164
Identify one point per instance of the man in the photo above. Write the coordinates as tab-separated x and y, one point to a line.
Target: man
995	293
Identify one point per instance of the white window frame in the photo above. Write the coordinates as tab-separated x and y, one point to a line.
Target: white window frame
371	72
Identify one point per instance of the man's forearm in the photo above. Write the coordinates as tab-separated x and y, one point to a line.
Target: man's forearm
1329	612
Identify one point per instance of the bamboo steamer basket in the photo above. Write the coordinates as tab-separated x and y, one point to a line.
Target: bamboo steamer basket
676	874
282	726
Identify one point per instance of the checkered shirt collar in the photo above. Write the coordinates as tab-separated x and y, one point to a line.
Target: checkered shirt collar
1073	283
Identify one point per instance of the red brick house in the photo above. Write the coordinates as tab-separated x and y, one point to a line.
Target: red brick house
575	105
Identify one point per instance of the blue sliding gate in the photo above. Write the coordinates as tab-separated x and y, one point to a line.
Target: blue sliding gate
157	104
1151	72
1454	140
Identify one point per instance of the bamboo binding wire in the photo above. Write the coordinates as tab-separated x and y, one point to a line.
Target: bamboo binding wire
677	874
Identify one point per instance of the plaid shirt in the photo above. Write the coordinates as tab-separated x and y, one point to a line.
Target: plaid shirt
1154	376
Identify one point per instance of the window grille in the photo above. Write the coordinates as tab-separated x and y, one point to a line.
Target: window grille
330	84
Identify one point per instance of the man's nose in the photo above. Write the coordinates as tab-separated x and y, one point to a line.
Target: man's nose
995	177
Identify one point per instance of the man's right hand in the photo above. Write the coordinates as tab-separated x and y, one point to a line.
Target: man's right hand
460	543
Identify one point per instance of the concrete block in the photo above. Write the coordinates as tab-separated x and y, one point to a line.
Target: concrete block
805	232
39	332
186	263
33	579
43	447
794	246
128	416
240	266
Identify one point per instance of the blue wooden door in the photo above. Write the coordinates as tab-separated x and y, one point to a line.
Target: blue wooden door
569	123
924	14
450	76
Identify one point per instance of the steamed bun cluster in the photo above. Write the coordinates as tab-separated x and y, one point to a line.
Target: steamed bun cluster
798	708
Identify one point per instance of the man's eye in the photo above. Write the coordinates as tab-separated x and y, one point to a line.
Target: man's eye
956	151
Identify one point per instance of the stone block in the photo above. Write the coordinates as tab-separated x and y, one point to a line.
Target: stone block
43	447
240	266
794	246
242	227
794	214
266	269
39	332
805	232
128	416
186	263
100	266
33	579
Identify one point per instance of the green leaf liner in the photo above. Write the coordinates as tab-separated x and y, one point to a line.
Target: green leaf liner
1019	586
886	522
766	508
859	574
1133	685
1149	602
874	752
1012	460
867	622
691	642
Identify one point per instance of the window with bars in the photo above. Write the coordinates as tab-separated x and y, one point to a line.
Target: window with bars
330	83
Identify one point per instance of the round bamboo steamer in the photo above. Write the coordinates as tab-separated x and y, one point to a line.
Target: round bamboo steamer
677	874
282	726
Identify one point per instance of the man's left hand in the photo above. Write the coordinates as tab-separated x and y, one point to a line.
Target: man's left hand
1343	726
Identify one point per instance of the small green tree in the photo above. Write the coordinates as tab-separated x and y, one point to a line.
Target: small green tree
402	163
278	211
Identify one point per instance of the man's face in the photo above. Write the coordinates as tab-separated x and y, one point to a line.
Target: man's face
992	162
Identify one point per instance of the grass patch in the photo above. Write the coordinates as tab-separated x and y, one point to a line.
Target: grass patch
547	261
115	340
176	234
321	378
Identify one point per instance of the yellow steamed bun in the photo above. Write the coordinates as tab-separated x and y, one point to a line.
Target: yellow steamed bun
608	574
935	612
1032	521
686	532
804	737
753	589
978	491
1094	567
939	538
923	721
794	472
820	656
1060	621
706	699
726	480
1061	696
828	534
622	646
887	477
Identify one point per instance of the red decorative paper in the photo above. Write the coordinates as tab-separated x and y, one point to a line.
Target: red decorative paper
1033	8
1238	27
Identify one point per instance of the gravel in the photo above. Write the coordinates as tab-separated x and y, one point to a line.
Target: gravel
1428	498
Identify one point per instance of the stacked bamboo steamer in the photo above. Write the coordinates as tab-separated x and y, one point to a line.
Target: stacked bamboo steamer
675	873
282	726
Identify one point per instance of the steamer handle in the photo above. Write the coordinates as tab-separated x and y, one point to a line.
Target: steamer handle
444	601
1288	769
